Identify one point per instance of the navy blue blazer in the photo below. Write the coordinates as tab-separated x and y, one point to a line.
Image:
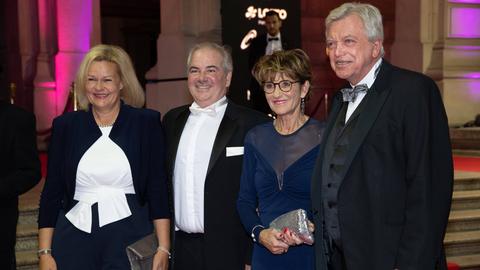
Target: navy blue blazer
138	132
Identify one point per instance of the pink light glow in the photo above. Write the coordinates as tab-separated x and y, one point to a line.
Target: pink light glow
74	28
465	22
474	91
74	19
48	85
473	75
465	1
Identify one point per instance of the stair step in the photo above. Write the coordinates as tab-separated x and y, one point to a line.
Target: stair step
466	199
27	260
26	237
462	243
466	181
466	152
464	220
466	262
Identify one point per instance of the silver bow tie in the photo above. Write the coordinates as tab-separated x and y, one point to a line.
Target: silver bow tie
350	94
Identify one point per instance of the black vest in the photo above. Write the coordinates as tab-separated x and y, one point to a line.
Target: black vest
333	167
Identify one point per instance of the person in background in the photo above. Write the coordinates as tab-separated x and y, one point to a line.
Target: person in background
265	44
279	160
382	184
205	154
19	172
106	183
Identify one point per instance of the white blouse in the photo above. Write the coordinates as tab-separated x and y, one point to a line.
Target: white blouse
103	177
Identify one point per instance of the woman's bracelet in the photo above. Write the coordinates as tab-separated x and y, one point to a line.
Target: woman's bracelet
162	249
253	231
44	251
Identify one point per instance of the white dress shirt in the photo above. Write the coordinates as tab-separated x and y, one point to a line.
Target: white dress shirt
103	177
191	164
369	79
273	45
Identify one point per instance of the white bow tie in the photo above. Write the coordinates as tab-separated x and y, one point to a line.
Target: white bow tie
210	110
197	111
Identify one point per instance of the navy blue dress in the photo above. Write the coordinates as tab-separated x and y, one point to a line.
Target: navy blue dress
275	180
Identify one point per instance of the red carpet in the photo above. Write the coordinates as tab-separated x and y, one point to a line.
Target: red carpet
463	163
43	162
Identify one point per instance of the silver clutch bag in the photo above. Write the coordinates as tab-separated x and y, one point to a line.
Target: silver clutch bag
297	222
140	254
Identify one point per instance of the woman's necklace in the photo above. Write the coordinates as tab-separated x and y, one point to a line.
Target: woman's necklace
298	123
103	124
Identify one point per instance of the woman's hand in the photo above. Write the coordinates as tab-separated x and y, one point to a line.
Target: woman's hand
160	261
311	226
162	229
291	238
272	240
46	262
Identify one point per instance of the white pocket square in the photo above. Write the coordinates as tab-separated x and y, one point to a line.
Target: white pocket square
234	151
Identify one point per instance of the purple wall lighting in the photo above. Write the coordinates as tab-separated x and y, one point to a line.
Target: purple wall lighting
465	22
474	91
465	1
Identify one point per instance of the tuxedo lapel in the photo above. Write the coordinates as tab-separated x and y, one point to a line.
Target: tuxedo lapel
177	130
374	101
225	131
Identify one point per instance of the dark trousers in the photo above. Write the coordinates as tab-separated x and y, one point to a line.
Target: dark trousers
336	259
8	227
104	247
189	251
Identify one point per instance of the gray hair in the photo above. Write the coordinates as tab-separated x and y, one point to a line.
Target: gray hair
227	62
370	15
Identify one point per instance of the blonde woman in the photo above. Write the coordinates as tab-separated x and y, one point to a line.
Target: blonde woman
105	186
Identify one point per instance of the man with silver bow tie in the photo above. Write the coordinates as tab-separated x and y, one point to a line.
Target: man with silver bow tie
204	163
382	185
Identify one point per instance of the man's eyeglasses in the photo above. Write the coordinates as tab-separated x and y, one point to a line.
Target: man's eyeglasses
285	86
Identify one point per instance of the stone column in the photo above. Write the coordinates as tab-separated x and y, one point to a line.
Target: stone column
454	60
183	23
74	33
44	97
28	42
407	48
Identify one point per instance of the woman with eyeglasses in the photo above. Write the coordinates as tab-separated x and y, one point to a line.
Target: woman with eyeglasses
278	162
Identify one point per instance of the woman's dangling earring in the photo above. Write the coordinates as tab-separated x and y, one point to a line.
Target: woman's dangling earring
302	105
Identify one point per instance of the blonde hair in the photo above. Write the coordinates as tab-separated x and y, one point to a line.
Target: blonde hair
131	93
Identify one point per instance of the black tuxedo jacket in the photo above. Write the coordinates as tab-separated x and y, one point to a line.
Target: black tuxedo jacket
394	199
258	46
19	170
227	244
19	163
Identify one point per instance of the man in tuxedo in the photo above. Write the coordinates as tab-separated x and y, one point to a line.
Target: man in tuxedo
19	172
382	185
265	44
204	156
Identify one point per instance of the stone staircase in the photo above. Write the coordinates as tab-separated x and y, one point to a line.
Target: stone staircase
27	243
462	241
